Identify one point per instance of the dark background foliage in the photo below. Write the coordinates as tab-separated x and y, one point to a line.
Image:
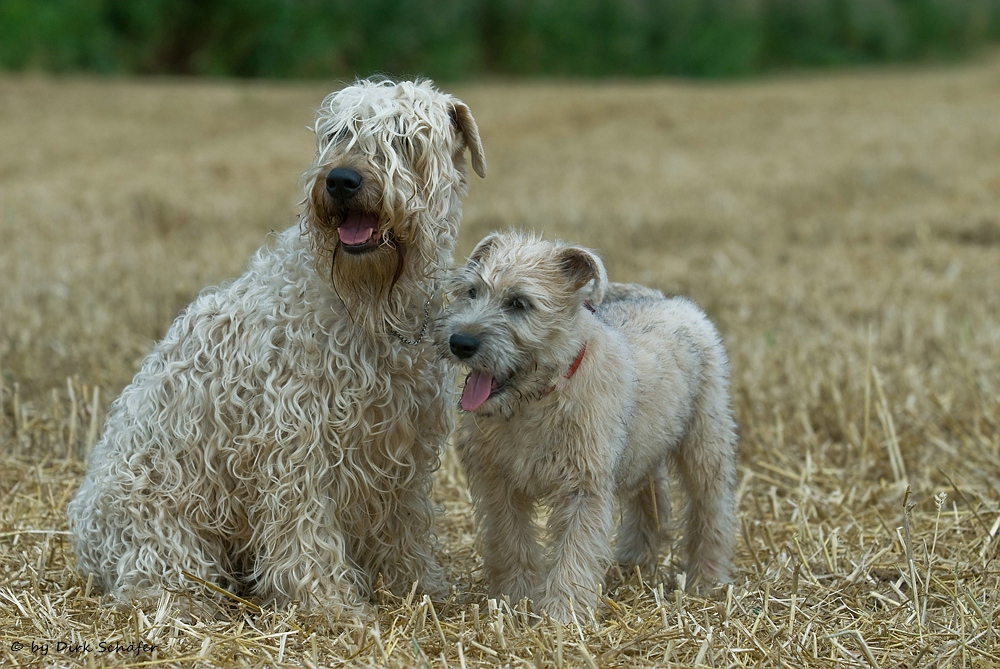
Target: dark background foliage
452	39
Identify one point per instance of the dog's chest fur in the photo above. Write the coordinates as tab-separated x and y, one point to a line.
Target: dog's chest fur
366	408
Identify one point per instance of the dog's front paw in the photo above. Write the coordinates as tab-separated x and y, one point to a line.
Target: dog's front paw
565	610
514	588
435	585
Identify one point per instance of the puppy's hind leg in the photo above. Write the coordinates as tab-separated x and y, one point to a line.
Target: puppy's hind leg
706	461
645	522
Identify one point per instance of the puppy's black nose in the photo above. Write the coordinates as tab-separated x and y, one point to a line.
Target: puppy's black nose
342	183
463	345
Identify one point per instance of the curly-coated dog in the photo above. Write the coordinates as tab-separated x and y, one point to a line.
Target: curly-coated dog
280	440
577	402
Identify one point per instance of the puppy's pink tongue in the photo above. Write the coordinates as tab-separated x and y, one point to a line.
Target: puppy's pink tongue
477	390
357	228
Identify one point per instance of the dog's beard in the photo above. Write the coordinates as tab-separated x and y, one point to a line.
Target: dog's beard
386	285
365	282
385	290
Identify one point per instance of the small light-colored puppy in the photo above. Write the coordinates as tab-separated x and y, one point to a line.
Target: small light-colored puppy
577	405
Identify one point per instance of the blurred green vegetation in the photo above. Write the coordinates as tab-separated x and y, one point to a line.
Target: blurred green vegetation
450	39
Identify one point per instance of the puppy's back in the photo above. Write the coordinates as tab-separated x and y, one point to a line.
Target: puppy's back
646	317
677	355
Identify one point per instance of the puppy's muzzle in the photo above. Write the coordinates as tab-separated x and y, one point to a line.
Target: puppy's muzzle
342	183
463	345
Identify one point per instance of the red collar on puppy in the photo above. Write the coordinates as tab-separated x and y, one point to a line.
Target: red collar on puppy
576	363
579	356
572	368
583	349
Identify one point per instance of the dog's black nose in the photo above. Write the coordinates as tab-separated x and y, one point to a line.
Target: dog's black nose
463	345
342	183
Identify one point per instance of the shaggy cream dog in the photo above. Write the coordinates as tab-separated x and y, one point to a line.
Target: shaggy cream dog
280	440
577	404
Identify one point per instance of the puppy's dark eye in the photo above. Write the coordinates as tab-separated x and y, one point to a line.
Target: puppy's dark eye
518	304
472	293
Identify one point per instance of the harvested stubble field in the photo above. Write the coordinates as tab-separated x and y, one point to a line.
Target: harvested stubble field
843	230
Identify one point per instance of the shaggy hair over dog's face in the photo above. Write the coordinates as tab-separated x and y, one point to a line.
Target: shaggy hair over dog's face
520	300
406	143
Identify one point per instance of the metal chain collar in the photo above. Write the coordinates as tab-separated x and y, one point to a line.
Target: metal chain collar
423	328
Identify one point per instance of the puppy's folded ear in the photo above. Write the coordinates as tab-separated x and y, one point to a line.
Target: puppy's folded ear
483	248
580	266
470	131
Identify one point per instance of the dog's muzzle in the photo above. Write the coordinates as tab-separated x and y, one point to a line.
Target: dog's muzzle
358	229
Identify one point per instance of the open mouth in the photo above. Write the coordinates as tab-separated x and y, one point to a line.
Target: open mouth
359	232
479	387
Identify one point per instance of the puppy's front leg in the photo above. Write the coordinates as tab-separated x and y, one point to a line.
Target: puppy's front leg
580	526
511	554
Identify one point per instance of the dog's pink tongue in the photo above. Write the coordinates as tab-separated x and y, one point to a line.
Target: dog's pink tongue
357	228
477	390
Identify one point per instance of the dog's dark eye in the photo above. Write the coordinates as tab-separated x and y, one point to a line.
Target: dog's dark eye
338	136
472	293
518	304
403	145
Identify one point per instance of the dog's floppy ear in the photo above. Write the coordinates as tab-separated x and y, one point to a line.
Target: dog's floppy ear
581	266
483	247
470	131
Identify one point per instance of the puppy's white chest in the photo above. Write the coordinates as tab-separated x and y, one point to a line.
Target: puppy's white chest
561	458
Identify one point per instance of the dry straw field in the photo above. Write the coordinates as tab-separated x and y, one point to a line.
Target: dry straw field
842	229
